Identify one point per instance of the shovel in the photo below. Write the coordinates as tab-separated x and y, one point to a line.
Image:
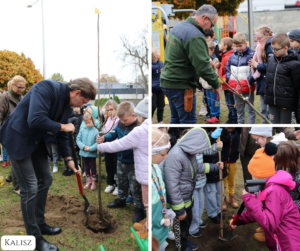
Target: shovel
87	203
251	186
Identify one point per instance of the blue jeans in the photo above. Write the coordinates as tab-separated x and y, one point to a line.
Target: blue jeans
229	98
5	157
197	210
212	198
176	103
213	103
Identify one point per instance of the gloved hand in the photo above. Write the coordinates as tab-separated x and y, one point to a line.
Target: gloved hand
217	133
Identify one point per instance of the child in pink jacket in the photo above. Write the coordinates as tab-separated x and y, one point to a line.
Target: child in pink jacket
111	158
273	209
138	140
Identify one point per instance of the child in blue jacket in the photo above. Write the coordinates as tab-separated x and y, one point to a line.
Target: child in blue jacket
86	141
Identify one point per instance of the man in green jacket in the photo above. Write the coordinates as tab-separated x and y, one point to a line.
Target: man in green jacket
186	60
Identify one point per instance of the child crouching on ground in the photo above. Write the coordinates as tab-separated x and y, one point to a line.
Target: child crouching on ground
86	141
137	140
179	173
273	209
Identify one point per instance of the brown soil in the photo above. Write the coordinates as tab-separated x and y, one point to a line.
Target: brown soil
209	241
66	213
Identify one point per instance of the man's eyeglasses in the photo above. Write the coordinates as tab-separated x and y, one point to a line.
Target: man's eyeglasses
273	49
212	24
20	87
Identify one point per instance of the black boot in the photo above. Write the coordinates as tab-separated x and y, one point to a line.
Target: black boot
45	229
117	203
139	215
43	245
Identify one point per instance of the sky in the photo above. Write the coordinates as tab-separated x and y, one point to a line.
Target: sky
70	28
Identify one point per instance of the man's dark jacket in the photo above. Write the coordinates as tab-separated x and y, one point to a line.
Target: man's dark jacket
42	110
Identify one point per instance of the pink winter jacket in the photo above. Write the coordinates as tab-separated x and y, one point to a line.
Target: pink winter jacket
275	211
109	123
138	140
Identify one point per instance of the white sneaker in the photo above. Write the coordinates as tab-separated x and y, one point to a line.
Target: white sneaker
115	192
55	169
1	158
109	189
171	236
203	111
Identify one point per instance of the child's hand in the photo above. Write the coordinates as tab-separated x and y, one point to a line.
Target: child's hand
100	139
182	217
220	144
86	148
232	226
220	165
245	192
253	63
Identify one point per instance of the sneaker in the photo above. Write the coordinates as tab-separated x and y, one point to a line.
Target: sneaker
215	219
203	225
187	249
109	189
192	245
9	163
84	175
115	192
4	164
117	203
161	123
203	111
213	120
196	235
129	199
171	235
69	172
55	169
1	158
208	116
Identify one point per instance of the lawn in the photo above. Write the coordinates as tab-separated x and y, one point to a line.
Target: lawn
71	238
200	119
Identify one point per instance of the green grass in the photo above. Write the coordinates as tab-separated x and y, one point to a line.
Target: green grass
74	239
200	119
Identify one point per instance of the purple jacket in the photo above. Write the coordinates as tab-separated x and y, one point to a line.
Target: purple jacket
275	211
138	140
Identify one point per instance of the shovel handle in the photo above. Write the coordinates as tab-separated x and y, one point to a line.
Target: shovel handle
237	216
73	153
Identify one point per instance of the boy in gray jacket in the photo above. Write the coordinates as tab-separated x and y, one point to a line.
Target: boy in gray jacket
179	172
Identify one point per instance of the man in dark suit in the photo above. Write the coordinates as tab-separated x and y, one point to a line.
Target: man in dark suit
45	108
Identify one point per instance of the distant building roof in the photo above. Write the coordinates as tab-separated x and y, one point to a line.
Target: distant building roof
117	86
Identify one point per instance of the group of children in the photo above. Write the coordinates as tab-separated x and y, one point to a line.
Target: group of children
190	168
125	147
273	70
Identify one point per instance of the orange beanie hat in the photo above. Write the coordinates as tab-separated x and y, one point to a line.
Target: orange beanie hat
262	164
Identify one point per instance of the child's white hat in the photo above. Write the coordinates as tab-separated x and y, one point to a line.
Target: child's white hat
261	131
142	108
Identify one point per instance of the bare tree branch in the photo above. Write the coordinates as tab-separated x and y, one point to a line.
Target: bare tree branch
134	54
